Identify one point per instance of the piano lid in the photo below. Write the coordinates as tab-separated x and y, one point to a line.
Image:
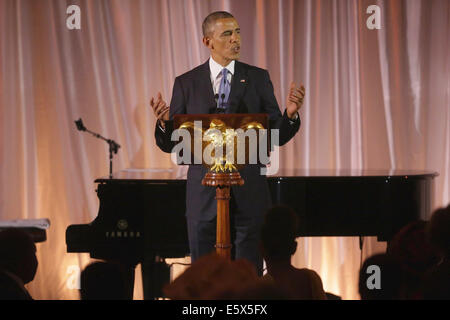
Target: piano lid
42	224
147	175
36	228
386	173
179	174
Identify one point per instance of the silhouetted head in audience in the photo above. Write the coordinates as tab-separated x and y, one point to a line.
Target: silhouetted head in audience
436	284
380	278
278	234
18	254
412	249
438	231
212	277
103	281
278	244
415	254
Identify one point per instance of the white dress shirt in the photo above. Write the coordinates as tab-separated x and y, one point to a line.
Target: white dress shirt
216	73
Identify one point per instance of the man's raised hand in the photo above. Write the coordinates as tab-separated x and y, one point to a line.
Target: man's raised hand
160	109
294	99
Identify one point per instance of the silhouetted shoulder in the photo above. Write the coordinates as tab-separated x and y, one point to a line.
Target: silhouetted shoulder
11	289
315	283
310	274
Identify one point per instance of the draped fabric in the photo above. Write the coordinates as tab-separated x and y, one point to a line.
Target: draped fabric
375	99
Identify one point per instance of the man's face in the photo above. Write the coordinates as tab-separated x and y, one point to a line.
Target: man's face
224	41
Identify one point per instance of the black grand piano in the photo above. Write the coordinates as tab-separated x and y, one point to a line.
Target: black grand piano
141	216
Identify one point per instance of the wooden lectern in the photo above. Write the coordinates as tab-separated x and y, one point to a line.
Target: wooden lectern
221	133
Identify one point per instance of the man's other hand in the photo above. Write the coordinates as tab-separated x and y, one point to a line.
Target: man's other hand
161	109
294	100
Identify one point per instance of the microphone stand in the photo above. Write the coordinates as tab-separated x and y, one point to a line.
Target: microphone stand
113	146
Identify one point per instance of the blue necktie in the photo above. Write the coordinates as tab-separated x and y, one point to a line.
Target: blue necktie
224	91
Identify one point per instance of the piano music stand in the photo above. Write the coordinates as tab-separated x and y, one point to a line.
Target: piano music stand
221	175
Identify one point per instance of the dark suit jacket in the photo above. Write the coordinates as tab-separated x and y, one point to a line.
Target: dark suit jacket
193	94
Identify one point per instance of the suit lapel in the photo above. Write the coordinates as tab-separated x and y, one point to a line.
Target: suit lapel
206	87
238	86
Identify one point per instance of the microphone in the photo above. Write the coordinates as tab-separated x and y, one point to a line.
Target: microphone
216	96
213	108
80	125
223	105
220	106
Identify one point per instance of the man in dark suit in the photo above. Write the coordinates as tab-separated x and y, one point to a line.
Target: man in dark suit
223	84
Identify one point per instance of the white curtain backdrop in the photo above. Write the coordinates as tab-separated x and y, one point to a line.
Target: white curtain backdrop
376	99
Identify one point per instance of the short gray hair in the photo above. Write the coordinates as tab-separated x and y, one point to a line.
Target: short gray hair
212	18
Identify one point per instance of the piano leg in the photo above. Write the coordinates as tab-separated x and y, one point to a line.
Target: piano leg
155	274
128	271
129	274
